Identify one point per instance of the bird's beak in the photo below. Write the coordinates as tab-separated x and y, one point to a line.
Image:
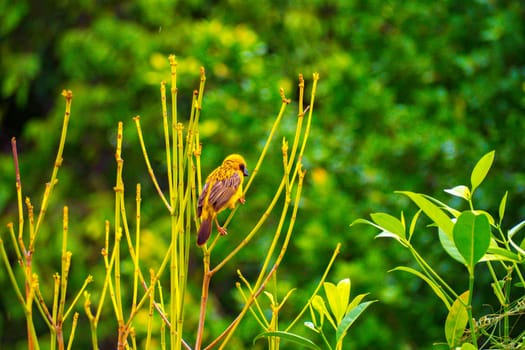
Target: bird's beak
245	172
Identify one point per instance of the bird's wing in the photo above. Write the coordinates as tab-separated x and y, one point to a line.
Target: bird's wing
223	190
201	199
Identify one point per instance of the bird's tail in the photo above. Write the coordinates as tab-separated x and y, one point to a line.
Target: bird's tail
204	231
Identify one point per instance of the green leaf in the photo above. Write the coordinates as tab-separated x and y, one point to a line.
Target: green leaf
455	213
481	169
498	253
456	322
450	247
385	234
350	318
338	297
294	338
343	289
389	223
487	214
368	222
435	287
468	346
432	211
355	301
502	206
472	237
459	191
413	224
318	304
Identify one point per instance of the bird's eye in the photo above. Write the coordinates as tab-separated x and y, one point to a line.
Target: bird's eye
241	167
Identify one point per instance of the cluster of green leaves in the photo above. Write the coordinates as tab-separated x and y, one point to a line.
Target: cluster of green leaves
391	71
342	315
470	237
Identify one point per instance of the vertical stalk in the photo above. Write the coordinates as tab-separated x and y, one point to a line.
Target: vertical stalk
119	195
58	162
174	285
181	244
204	298
471	321
73	329
64	274
150	312
166	136
18	196
137	250
174	122
233	326
506	307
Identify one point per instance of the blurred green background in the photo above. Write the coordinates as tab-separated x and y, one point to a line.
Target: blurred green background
412	94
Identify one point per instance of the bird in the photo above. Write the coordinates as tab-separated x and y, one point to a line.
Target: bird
223	189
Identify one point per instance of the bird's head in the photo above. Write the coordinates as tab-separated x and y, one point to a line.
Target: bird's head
238	162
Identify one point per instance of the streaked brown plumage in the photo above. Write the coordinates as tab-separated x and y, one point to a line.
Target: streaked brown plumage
222	190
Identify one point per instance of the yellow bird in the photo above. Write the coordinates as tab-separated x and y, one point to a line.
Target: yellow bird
222	190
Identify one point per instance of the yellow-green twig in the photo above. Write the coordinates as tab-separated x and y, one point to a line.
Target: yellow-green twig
73	329
148	164
58	162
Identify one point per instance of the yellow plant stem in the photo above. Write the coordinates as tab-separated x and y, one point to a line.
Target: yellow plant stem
148	164
163	324
119	198
315	77
261	320
285	184
172	164
56	296
316	291
11	275
68	95
150	312
92	321
87	281
136	259
263	323
108	283
72	333
58	317
204	298
166	136
274	128
227	334
20	206
285	181
32	340
266	214
24	256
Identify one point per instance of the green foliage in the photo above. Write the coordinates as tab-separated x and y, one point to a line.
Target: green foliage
457	320
470	237
343	311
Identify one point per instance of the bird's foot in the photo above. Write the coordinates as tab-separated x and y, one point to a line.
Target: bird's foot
222	231
242	200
